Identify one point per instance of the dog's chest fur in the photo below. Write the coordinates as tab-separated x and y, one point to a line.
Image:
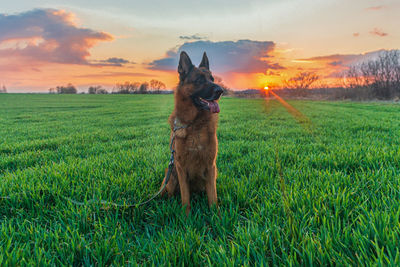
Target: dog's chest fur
196	148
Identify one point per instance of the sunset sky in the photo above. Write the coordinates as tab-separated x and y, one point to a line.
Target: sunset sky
249	43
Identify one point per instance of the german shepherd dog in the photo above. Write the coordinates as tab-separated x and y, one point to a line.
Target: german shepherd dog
194	125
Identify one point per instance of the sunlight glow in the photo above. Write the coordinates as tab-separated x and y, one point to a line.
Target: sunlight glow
300	117
266	88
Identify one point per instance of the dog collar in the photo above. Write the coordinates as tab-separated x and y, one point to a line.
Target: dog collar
178	125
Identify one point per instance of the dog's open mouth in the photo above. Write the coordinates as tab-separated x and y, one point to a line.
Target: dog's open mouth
211	104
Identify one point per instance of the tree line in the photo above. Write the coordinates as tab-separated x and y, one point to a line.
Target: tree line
68	89
152	87
375	78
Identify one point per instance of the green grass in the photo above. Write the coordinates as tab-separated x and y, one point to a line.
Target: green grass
290	193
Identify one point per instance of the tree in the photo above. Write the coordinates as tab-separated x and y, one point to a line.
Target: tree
68	89
302	80
156	86
93	89
383	74
143	88
3	89
380	75
97	90
102	91
353	77
126	88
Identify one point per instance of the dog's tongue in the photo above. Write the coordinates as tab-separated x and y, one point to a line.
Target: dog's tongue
214	107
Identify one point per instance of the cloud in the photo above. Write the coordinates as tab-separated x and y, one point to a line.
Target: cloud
356	34
114	61
192	37
47	35
336	63
104	74
375	8
243	56
272	73
378	32
332	66
344	60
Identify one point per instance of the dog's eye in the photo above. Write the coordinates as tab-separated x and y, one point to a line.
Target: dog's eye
212	78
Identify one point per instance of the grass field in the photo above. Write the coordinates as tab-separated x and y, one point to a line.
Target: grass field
324	191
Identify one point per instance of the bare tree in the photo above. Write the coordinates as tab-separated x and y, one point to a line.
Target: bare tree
386	74
101	91
143	88
97	90
381	75
302	82
68	89
156	86
353	77
126	88
93	89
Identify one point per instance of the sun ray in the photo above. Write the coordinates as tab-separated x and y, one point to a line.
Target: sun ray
302	119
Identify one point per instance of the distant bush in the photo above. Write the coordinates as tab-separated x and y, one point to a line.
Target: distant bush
68	89
154	87
143	88
97	90
126	88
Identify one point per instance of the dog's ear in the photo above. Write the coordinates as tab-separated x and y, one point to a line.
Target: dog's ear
204	62
185	65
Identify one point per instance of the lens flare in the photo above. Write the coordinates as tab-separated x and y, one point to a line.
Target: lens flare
300	117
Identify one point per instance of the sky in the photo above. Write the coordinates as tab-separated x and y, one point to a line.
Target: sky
250	43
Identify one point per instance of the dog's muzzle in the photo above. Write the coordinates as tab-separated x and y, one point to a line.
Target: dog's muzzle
207	99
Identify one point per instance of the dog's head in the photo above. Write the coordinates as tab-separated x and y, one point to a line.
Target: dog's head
198	83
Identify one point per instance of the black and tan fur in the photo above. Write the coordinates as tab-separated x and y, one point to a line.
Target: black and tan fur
196	145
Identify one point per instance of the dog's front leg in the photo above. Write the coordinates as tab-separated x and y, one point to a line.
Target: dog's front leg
184	187
211	188
172	184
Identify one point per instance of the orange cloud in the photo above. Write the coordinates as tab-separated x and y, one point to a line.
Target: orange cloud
43	48
378	32
374	8
46	35
242	56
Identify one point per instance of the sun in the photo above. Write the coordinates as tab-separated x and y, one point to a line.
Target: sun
266	88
